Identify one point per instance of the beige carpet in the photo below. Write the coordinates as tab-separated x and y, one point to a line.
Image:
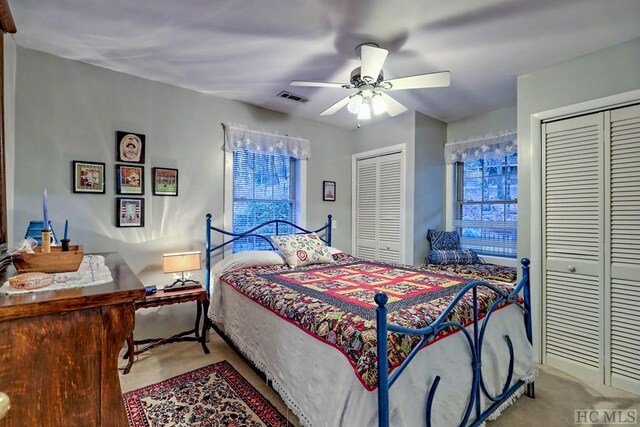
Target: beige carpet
557	394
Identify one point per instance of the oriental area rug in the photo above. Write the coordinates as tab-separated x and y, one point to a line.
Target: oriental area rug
216	395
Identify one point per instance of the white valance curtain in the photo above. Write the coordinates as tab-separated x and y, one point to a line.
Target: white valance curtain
259	142
484	147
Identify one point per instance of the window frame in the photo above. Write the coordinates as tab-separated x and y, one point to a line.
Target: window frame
227	208
459	202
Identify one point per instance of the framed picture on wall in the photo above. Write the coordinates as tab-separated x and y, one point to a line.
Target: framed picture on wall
129	212
88	177
165	182
129	147
129	179
329	191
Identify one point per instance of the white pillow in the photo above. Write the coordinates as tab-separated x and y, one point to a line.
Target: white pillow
333	250
246	259
302	249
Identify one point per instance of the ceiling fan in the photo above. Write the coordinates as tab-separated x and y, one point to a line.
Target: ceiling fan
371	86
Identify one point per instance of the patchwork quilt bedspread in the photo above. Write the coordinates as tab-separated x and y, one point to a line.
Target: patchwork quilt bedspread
334	303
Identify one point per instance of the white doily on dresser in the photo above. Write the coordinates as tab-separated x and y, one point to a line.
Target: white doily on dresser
92	271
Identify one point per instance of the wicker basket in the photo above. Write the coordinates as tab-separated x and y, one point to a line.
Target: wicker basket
31	280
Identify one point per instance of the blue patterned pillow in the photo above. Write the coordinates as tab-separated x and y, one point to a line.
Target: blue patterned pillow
443	240
460	256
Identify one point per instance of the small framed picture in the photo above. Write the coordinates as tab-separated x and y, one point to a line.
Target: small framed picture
165	182
129	179
129	212
329	191
129	147
88	177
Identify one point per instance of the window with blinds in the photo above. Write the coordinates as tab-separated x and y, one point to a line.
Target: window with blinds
264	189
487	205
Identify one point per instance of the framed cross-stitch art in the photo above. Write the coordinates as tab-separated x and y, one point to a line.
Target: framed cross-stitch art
329	191
165	182
88	177
129	212
129	147
129	179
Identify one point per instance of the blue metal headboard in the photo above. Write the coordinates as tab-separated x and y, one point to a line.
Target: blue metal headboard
252	233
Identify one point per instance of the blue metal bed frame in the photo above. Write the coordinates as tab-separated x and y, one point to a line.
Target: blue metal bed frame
474	341
252	233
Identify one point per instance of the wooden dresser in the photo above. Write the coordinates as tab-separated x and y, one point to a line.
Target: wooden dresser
59	351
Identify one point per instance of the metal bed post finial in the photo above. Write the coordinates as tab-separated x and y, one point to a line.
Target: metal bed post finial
207	277
329	220
383	364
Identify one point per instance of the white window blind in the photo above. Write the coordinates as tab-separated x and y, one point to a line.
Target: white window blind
486	205
264	189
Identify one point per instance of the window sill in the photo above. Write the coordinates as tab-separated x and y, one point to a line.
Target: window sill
507	262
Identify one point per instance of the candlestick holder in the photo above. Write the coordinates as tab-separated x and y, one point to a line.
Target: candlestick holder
46	241
65	245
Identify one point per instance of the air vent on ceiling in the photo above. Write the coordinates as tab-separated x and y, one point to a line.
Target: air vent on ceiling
292	96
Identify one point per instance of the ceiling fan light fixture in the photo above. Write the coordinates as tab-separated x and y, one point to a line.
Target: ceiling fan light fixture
365	112
378	105
355	102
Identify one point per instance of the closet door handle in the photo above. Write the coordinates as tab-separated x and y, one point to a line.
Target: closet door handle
571	268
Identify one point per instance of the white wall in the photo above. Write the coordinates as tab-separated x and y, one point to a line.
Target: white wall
429	195
9	126
473	127
393	131
611	71
424	137
483	124
67	110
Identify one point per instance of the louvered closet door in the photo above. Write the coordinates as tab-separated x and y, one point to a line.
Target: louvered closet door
625	248
367	208
390	207
573	249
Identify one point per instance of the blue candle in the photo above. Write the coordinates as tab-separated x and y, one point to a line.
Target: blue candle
66	229
45	213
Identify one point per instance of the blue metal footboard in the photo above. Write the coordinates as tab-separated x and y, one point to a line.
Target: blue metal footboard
474	340
254	233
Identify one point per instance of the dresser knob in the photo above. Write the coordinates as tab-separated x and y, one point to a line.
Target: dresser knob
5	405
571	268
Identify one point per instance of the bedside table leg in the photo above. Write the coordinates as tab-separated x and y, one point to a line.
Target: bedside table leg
198	314
205	326
131	350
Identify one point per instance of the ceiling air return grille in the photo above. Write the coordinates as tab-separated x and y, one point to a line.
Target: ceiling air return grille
292	96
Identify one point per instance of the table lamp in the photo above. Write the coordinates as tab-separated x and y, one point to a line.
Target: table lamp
179	263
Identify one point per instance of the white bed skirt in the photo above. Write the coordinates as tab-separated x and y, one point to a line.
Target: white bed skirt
319	385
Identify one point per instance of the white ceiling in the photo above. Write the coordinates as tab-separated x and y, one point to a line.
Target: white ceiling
249	50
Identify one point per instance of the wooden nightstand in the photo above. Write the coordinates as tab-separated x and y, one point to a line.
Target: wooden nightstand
161	298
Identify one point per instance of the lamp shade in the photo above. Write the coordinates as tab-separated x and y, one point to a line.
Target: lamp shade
180	262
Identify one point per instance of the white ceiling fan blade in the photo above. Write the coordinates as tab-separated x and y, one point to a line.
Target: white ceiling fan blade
440	79
335	107
317	84
393	107
372	60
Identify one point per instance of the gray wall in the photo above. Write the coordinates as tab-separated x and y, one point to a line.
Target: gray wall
483	124
67	110
388	132
424	137
429	196
604	73
9	126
